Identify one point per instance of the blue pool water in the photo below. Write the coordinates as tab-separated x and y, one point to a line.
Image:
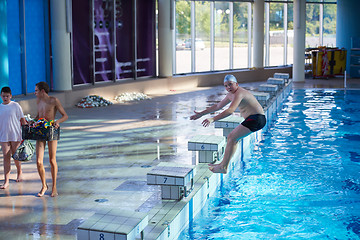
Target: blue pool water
301	182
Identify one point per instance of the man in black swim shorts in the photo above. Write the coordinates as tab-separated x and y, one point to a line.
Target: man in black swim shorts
254	122
250	109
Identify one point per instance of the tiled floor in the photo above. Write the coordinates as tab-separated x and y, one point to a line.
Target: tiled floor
104	155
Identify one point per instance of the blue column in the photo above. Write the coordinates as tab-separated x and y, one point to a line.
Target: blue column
4	59
35	43
14	48
347	25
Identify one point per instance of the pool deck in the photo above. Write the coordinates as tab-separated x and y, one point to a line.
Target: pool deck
103	157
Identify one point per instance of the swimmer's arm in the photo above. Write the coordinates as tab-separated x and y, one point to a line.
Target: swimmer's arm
230	110
211	109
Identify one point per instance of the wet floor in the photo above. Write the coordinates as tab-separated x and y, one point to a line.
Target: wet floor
103	157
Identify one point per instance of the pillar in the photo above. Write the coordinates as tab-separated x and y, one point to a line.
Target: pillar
4	58
60	41
299	40
347	20
166	28
258	49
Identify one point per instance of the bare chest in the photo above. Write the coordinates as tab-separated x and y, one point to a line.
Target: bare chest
46	110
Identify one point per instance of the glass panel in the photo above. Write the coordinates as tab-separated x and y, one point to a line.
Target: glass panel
241	35
81	42
145	38
202	40
329	28
103	40
183	37
290	34
312	38
277	35
124	43
221	51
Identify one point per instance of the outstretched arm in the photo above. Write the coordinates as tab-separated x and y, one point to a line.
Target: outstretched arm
234	104
211	109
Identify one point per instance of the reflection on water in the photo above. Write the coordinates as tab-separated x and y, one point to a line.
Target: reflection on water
302	181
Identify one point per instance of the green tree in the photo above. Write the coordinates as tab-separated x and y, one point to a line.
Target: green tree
329	18
183	19
202	18
312	19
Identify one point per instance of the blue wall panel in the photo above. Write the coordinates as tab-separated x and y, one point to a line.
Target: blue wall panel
348	19
14	50
35	43
4	63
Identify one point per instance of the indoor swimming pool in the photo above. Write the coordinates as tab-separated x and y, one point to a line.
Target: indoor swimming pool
302	181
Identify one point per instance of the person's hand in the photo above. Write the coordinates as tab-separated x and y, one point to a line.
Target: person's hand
56	125
30	123
197	115
207	122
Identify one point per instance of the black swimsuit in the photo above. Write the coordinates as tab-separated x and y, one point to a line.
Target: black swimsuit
254	122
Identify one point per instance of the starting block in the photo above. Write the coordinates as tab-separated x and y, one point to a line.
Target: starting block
116	224
210	147
270	88
262	97
229	123
285	76
277	81
175	182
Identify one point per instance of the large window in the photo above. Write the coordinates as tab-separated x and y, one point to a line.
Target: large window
222	37
276	34
202	36
312	38
290	34
329	25
217	35
242	29
183	35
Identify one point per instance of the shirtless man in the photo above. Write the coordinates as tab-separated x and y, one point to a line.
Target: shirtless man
47	107
250	110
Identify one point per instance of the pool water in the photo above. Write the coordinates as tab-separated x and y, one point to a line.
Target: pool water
302	181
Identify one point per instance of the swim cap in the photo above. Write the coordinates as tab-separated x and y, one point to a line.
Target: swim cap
230	78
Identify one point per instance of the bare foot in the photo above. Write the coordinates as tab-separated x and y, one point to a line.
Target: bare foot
54	193
217	168
42	191
4	186
19	178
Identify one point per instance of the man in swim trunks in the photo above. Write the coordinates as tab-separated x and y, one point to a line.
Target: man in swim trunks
47	106
250	110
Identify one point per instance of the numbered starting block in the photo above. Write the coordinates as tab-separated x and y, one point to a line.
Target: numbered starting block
262	97
210	147
276	81
284	76
229	123
175	182
270	88
116	224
